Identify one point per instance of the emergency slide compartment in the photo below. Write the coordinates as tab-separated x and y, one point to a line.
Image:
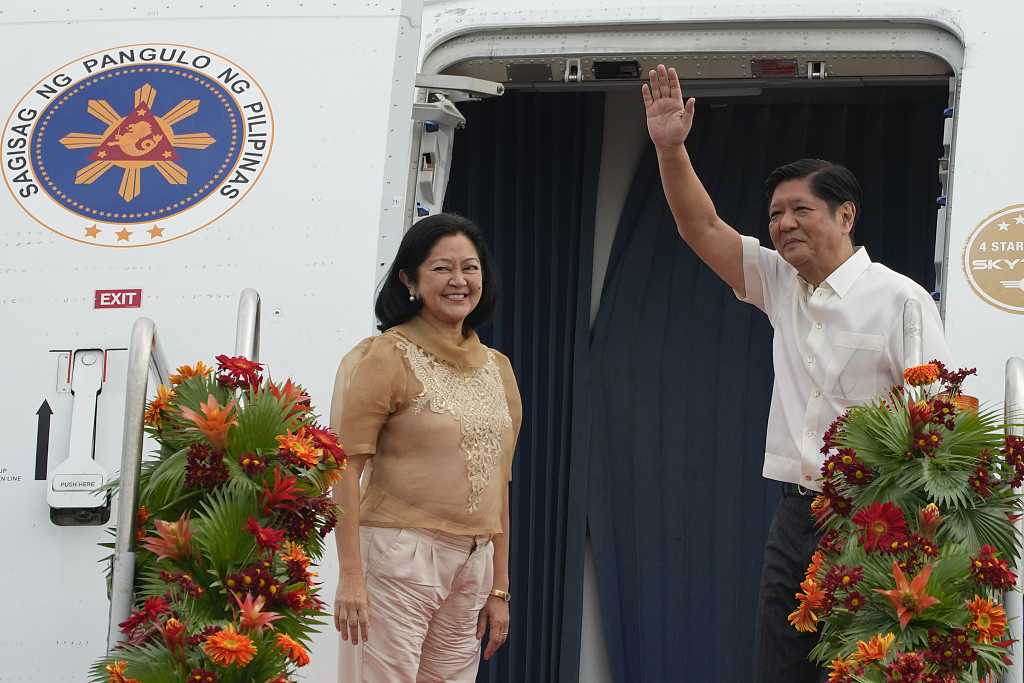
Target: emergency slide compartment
283	133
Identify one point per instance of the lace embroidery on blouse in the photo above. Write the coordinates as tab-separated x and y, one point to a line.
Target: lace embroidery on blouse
475	397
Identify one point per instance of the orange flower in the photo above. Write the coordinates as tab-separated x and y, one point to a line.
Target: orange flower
330	477
301	448
295	553
163	399
842	669
215	421
174	539
227	647
184	372
920	375
116	671
909	599
805	618
140	518
292	649
817	561
989	620
875	649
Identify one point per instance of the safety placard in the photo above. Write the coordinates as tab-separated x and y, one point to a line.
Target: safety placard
118	298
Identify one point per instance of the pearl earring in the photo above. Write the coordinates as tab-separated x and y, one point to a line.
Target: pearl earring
412	297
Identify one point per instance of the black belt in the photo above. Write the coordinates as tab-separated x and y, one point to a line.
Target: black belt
789	489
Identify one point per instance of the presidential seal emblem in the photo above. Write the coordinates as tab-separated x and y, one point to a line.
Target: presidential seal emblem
137	145
993	259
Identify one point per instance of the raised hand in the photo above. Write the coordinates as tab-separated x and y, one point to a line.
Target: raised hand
668	118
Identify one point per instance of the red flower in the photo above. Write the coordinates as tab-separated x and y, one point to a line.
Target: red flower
252	464
267	539
854	601
988	571
252	615
150	612
204	467
928	443
920	413
929	520
173	632
202	676
282	495
943	414
979	481
239	371
881	524
1013	451
953	649
909	599
291	396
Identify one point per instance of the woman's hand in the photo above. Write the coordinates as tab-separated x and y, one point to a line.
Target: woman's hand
352	609
495	615
351	602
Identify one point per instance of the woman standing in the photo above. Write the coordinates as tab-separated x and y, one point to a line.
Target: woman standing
429	417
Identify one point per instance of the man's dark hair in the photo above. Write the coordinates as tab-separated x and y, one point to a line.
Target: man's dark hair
393	305
833	183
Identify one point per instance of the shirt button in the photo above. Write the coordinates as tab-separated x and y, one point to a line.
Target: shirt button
817	393
818	325
809	359
809	433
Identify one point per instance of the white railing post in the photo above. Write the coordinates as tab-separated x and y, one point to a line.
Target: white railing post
144	353
913	339
1013	405
247	331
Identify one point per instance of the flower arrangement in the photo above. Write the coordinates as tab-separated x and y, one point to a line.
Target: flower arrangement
917	511
233	512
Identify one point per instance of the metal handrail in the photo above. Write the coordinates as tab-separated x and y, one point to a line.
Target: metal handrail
1013	404
913	338
247	330
144	354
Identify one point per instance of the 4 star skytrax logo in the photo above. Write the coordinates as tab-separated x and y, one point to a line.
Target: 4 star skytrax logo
137	145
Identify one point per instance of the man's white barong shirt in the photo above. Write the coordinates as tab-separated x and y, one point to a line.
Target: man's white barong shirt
835	346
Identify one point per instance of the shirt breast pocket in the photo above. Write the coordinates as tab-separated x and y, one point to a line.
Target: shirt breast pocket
853	372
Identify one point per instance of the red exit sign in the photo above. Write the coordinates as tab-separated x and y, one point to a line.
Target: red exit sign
118	298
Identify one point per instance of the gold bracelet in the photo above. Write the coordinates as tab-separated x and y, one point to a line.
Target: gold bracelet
501	594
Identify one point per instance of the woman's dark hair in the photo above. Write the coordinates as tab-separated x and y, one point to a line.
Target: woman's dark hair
393	305
830	182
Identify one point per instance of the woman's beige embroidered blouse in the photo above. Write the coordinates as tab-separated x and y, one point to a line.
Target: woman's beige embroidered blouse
440	422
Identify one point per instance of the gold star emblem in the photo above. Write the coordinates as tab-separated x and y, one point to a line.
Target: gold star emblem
123	234
93	231
131	182
155	232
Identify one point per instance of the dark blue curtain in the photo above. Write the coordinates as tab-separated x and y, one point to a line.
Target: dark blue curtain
525	169
680	374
